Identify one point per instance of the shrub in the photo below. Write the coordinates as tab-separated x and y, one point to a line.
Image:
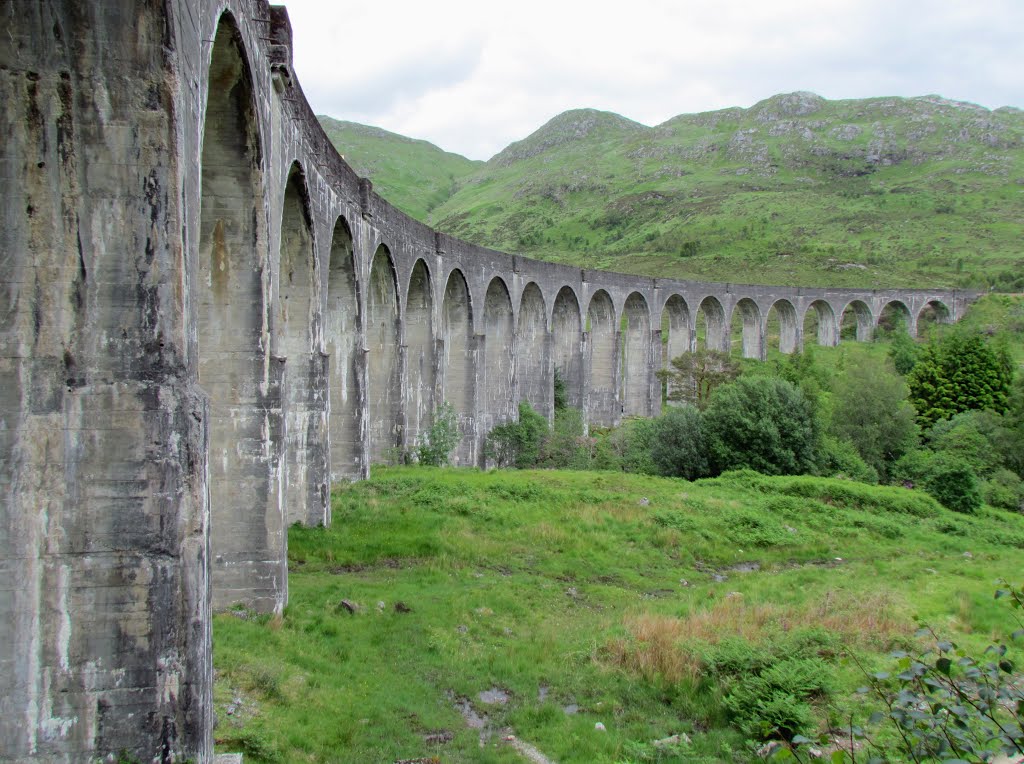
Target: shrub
517	444
775	702
841	459
1005	490
437	443
964	437
678	448
946	477
565	447
870	410
761	423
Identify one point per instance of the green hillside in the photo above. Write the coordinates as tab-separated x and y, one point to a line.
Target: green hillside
448	610
415	176
794	190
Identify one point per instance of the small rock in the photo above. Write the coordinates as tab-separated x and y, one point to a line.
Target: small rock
933	571
684	582
401	607
968	555
734	595
768	750
644	501
571	710
510	738
719	577
381	605
350	606
790	529
573	592
815	753
681	737
839	559
599	727
462	628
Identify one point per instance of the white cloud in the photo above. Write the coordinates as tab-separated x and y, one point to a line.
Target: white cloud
473	77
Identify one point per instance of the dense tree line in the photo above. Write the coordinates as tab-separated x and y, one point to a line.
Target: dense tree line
946	416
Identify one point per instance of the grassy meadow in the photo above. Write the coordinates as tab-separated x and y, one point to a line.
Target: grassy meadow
447	609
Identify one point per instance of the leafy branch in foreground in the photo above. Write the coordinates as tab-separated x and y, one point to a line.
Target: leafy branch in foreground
944	705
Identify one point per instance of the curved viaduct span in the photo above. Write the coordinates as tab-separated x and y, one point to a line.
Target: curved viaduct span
206	317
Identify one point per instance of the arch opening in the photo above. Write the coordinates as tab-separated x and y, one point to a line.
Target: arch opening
459	362
602	398
341	332
420	353
856	322
932	313
895	317
676	338
246	522
567	339
781	327
820	323
305	416
746	337
636	357
383	368
710	326
498	403
533	367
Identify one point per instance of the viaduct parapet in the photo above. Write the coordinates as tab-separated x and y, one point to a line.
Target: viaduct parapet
206	317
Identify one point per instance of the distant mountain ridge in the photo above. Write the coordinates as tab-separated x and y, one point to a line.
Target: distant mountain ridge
796	189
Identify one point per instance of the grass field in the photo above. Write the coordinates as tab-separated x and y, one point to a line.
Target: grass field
572	598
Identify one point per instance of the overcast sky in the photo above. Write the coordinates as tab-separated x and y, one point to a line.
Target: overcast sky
472	75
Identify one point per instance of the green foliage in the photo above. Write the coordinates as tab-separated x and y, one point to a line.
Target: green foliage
949	705
565	446
764	424
945	476
870	410
959	372
561	393
840	458
440	439
967	437
692	377
903	351
1004	489
518	444
678	447
626	448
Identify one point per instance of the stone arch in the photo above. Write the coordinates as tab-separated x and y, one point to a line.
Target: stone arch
498	405
856	322
710	325
305	416
932	312
420	352
675	327
820	321
533	369
892	314
636	356
751	344
384	379
247	528
458	365
567	339
602	398
782	327
341	332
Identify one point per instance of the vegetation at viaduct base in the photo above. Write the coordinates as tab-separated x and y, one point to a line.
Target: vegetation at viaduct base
602	613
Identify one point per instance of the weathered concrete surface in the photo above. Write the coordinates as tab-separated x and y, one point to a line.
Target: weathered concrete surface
206	317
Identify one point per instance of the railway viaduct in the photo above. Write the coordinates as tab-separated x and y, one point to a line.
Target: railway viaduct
206	317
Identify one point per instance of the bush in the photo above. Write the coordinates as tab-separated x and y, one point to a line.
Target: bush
437	443
1004	490
775	703
764	424
678	448
626	448
517	444
946	477
870	410
841	459
565	447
